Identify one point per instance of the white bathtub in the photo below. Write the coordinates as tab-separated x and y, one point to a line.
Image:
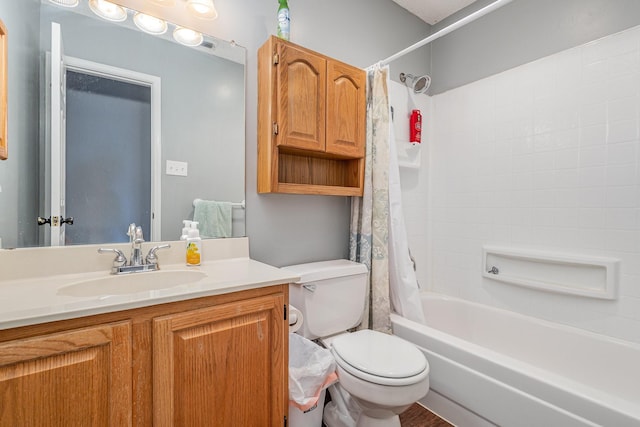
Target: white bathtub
512	370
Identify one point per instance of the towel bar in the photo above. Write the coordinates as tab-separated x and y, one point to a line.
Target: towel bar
235	204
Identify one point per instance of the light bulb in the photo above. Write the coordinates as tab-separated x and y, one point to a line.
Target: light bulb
187	36
108	10
202	9
150	24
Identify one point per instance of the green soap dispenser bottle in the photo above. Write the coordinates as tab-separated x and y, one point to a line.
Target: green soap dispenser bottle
284	20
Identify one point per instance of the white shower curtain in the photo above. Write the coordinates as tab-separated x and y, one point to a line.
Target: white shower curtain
403	284
378	236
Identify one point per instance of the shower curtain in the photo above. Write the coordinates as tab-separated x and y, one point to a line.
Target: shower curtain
377	219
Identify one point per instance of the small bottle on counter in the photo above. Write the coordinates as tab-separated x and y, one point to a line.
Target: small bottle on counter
194	245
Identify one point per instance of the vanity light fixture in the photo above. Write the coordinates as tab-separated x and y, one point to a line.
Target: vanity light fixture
202	9
65	3
187	36
150	24
108	10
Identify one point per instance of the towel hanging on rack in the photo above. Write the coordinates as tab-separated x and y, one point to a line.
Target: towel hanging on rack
214	218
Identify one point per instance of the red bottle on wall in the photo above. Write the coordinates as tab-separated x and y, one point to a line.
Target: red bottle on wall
415	132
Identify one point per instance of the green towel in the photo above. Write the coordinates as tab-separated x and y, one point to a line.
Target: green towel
214	218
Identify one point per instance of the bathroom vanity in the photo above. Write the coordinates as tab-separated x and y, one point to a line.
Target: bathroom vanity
79	348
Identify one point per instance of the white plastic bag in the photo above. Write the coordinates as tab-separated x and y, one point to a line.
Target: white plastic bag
343	410
311	369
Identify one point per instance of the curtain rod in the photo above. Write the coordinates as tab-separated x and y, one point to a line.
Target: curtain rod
446	30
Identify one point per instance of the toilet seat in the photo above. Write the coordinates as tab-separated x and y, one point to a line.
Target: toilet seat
380	358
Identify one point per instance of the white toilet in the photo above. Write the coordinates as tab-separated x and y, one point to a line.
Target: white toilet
383	373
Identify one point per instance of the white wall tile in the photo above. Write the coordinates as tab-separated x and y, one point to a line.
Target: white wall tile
592	217
593	113
622	109
593	156
623	218
592	176
622	86
593	134
622	131
623	197
546	155
621	174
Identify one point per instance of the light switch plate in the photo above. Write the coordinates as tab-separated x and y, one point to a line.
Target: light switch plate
176	168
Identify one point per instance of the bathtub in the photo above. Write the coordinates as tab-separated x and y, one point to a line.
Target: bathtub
491	366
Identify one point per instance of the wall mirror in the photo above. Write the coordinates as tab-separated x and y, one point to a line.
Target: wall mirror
148	127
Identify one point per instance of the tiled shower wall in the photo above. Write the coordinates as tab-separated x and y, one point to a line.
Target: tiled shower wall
544	156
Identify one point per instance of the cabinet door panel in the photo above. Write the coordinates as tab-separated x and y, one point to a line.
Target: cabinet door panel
345	110
219	366
301	99
76	378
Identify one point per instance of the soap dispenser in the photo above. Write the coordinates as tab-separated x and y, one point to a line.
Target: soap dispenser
194	245
186	225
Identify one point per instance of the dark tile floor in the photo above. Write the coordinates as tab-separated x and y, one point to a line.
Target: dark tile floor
418	416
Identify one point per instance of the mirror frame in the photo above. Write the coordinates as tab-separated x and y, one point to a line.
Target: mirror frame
4	144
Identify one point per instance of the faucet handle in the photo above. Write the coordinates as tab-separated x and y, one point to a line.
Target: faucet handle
119	260
151	256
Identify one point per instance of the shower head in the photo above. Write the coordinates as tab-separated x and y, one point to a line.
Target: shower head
419	84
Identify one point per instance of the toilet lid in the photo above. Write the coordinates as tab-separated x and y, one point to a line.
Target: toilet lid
376	354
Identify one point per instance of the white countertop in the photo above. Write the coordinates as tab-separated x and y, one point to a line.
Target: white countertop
33	300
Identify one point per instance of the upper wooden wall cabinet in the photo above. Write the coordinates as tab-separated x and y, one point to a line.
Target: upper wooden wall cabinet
311	122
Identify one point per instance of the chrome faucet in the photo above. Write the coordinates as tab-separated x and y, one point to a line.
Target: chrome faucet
136	262
136	240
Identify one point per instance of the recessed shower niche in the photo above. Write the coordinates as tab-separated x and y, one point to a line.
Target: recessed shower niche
551	271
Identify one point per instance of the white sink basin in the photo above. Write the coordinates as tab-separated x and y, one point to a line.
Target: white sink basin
131	283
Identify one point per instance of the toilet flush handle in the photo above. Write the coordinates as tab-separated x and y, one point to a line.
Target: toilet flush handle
310	287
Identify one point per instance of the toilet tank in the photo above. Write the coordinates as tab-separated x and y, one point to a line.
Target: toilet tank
330	294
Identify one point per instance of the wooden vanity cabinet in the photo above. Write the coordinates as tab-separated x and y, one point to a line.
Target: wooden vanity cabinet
211	361
73	378
221	363
311	122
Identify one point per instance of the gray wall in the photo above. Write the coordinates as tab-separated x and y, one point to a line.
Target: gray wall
286	229
22	165
283	229
520	32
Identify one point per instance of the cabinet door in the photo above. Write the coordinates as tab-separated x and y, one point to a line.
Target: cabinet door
74	378
345	110
301	91
221	366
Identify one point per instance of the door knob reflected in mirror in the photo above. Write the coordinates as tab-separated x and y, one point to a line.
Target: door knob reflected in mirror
43	221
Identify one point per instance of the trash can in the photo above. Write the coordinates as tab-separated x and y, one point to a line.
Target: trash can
311	370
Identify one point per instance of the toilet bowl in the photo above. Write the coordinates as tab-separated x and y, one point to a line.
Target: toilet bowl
383	373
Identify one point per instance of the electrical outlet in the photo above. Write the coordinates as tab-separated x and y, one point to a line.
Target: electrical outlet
176	168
